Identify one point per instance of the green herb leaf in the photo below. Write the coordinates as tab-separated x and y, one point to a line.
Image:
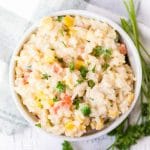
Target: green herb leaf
83	71
107	53
85	109
93	69
146	128
55	99
66	146
91	83
45	76
97	51
60	18
38	125
71	66
60	86
118	130
105	66
145	109
77	101
80	81
124	141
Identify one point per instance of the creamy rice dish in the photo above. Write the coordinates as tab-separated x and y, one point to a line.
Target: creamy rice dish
73	75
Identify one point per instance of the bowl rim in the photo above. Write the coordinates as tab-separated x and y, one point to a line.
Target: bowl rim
98	17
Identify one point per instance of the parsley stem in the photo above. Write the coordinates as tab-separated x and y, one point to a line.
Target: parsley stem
128	135
111	147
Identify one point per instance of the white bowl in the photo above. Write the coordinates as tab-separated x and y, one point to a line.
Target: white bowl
132	55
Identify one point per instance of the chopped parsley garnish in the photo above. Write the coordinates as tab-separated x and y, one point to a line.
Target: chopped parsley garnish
55	99
38	125
71	66
107	53
91	83
77	101
93	69
45	76
80	81
105	66
66	146
85	110
97	51
60	86
83	71
59	18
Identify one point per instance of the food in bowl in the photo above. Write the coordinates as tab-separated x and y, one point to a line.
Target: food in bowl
74	76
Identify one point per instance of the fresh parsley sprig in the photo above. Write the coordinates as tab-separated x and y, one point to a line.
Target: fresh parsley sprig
127	135
66	146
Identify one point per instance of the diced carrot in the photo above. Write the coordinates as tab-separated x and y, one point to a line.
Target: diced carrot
56	68
67	100
123	49
56	108
25	78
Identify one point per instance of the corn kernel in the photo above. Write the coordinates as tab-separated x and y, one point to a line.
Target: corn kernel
49	59
68	21
69	125
79	63
51	102
72	31
38	104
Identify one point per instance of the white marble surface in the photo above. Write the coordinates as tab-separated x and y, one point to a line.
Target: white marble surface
30	139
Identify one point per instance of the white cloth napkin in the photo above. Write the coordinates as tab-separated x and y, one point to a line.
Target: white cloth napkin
12	28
